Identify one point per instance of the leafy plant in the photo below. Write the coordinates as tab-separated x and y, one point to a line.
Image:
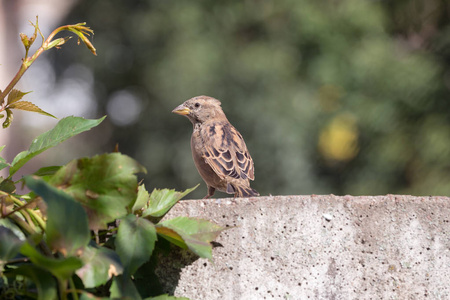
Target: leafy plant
14	96
86	227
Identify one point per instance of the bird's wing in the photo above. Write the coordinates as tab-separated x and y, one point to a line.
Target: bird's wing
225	151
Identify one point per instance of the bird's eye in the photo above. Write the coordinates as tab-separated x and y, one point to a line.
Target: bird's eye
197	104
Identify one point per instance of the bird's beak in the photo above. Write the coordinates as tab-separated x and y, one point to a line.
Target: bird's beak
181	110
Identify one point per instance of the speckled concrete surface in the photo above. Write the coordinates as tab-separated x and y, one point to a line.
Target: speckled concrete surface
319	247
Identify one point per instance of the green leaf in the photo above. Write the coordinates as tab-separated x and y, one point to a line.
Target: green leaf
3	163
100	264
123	287
14	96
8	119
141	199
195	233
7	185
44	281
13	227
61	268
81	30
104	184
162	200
46	171
65	129
25	40
57	43
67	223
135	242
9	245
166	297
171	235
28	106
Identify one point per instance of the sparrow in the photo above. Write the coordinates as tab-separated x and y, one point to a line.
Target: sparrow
218	149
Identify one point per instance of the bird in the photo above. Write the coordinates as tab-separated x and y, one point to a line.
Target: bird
218	149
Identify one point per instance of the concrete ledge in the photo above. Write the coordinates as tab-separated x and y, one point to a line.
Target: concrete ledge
318	247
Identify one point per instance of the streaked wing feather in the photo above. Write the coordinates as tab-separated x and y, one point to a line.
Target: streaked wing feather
225	151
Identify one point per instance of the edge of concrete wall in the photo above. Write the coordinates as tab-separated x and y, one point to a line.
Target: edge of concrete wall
318	247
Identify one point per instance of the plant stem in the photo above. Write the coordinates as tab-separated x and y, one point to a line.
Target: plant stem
62	289
10	86
18	260
73	289
24	225
27	61
28	219
37	218
21	206
31	212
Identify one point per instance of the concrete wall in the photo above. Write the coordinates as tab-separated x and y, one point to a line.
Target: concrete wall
318	247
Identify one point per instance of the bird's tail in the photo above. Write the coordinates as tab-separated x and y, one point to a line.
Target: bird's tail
241	191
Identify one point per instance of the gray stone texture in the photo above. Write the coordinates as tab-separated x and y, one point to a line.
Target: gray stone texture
318	247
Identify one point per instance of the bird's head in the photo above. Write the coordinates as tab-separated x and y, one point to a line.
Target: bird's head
200	109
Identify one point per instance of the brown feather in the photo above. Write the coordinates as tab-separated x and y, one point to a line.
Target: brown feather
218	149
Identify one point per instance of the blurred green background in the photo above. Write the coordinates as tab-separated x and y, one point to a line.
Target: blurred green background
342	97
